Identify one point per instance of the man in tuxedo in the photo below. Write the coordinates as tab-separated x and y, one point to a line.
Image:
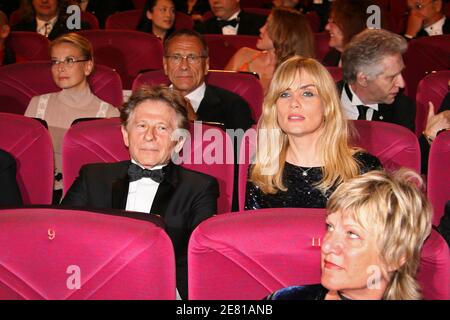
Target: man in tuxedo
372	81
426	18
230	19
186	63
150	182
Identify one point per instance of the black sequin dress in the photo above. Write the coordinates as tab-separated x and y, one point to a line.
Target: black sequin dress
301	191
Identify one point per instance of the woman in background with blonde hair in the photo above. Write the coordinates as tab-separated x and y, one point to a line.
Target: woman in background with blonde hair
376	226
303	151
286	33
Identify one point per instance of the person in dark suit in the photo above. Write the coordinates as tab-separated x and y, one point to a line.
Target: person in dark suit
48	18
186	63
230	19
10	194
426	18
151	182
372	81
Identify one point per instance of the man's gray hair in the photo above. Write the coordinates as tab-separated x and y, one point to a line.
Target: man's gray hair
366	50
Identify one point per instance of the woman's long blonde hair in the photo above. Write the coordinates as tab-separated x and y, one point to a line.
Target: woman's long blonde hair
337	155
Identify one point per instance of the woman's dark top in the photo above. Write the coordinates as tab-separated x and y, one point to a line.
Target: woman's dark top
301	191
309	292
10	194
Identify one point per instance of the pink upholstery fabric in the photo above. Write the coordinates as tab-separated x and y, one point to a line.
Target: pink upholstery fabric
425	55
139	4
29	143
321	42
115	257
432	88
223	47
29	45
128	52
439	175
128	20
20	82
314	21
248	255
434	270
101	141
394	145
243	84
336	73
90	19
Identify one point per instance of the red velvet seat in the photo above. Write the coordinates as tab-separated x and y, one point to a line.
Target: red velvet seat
248	255
336	73
101	141
394	145
29	45
432	88
20	82
223	47
321	41
425	55
128	52
439	175
128	20
29	142
63	254
243	84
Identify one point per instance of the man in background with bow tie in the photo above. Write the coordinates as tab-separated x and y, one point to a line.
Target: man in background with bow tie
150	182
230	19
372	81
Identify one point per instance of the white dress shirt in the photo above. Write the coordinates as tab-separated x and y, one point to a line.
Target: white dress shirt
350	106
45	27
230	29
436	28
141	193
195	97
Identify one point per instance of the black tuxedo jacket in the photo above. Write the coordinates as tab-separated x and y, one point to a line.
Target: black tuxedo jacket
402	111
184	199
58	29
249	24
220	105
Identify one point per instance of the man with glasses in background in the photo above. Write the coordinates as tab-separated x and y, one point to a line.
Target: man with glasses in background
186	63
426	18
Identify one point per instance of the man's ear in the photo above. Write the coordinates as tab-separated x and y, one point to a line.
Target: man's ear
126	141
206	66
361	79
165	66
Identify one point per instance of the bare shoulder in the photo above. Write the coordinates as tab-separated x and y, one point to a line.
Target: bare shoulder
243	55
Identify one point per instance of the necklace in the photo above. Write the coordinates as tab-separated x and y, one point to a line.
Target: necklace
305	172
342	296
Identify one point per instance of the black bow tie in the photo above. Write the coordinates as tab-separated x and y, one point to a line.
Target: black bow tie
362	109
232	22
136	173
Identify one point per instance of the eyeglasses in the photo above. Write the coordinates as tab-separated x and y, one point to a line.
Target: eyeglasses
420	6
68	62
191	58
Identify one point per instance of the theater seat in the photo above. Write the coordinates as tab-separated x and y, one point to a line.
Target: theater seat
439	175
248	255
321	41
128	52
100	140
64	254
432	88
394	145
30	46
20	82
242	84
29	142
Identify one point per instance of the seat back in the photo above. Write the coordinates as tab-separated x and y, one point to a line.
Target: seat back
31	46
128	52
128	20
20	82
438	187
424	55
90	19
336	73
432	88
209	151
247	255
394	145
29	142
242	84
268	249
63	254
223	47
321	41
